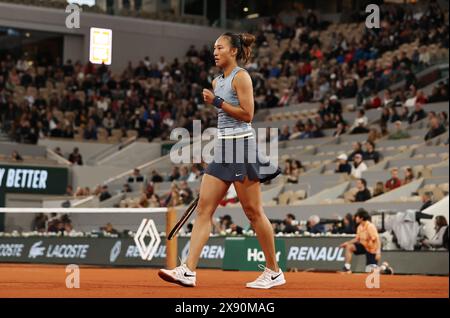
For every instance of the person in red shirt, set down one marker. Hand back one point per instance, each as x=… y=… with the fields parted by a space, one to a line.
x=394 y=182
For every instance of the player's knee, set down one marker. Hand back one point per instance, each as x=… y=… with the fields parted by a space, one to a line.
x=350 y=248
x=253 y=212
x=204 y=209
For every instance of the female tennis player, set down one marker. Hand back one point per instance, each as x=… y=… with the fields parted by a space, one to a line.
x=236 y=160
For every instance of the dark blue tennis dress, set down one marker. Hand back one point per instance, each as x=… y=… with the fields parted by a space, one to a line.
x=236 y=153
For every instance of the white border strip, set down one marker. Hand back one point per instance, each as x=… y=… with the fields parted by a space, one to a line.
x=83 y=210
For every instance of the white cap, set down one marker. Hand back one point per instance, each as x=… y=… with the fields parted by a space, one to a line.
x=342 y=156
x=333 y=97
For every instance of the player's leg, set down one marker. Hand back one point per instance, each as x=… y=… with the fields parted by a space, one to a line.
x=249 y=194
x=212 y=190
x=349 y=250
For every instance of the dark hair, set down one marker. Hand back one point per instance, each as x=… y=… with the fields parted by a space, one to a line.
x=363 y=181
x=243 y=42
x=291 y=216
x=371 y=143
x=363 y=214
x=440 y=222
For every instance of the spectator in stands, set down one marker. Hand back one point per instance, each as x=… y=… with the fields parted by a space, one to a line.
x=314 y=226
x=417 y=114
x=290 y=225
x=109 y=123
x=184 y=173
x=15 y=156
x=40 y=223
x=363 y=193
x=136 y=176
x=409 y=176
x=374 y=135
x=360 y=128
x=399 y=132
x=104 y=194
x=358 y=166
x=443 y=118
x=342 y=165
x=441 y=227
x=108 y=228
x=294 y=171
x=427 y=201
x=367 y=241
x=155 y=201
x=379 y=189
x=156 y=177
x=175 y=174
x=196 y=172
x=75 y=157
x=58 y=152
x=347 y=226
x=143 y=201
x=334 y=106
x=173 y=198
x=126 y=188
x=90 y=132
x=387 y=101
x=284 y=134
x=357 y=149
x=69 y=190
x=340 y=129
x=371 y=153
x=186 y=193
x=436 y=129
x=394 y=182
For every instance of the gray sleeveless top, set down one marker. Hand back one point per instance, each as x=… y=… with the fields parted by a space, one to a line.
x=227 y=125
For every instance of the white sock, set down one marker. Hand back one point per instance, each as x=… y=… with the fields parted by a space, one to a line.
x=347 y=266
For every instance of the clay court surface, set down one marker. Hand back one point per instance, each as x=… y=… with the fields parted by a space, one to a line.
x=20 y=280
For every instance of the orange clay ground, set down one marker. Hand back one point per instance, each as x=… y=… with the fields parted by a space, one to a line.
x=19 y=280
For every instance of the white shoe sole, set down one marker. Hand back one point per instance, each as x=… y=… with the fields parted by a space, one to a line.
x=274 y=284
x=165 y=275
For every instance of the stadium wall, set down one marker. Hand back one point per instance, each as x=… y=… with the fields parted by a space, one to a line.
x=133 y=38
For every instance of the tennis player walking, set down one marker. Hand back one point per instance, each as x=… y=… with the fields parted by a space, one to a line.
x=236 y=160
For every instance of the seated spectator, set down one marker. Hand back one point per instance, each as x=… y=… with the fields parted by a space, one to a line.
x=69 y=190
x=90 y=132
x=143 y=201
x=290 y=224
x=294 y=171
x=358 y=166
x=156 y=177
x=184 y=174
x=404 y=114
x=58 y=152
x=108 y=228
x=371 y=153
x=174 y=174
x=75 y=157
x=15 y=156
x=363 y=193
x=334 y=106
x=136 y=176
x=357 y=149
x=284 y=134
x=441 y=227
x=436 y=129
x=155 y=201
x=409 y=176
x=104 y=194
x=313 y=225
x=360 y=121
x=39 y=223
x=427 y=201
x=195 y=174
x=379 y=189
x=387 y=100
x=399 y=132
x=394 y=182
x=186 y=193
x=360 y=128
x=347 y=226
x=340 y=129
x=373 y=135
x=126 y=188
x=417 y=114
x=342 y=164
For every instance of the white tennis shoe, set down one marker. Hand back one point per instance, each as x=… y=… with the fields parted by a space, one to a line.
x=181 y=275
x=267 y=279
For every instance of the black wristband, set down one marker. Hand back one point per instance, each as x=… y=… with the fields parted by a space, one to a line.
x=218 y=101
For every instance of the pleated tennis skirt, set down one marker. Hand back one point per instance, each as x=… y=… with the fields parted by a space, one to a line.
x=236 y=158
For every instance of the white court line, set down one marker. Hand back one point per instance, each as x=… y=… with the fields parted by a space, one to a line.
x=82 y=210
